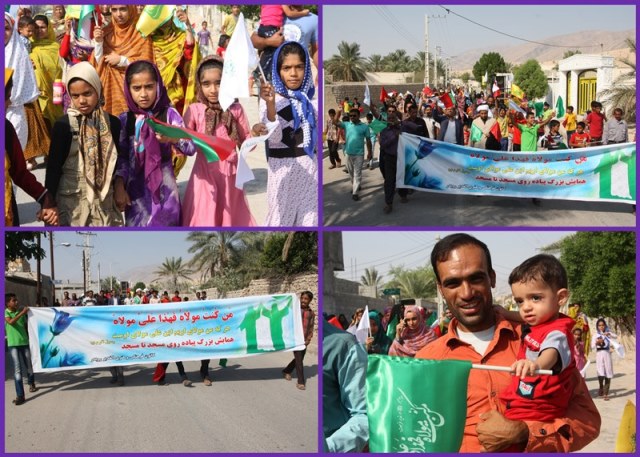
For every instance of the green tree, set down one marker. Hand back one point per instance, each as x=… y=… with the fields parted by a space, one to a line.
x=109 y=283
x=601 y=268
x=623 y=92
x=374 y=63
x=417 y=283
x=138 y=285
x=372 y=278
x=465 y=77
x=397 y=61
x=22 y=245
x=174 y=269
x=348 y=65
x=531 y=79
x=302 y=254
x=570 y=53
x=491 y=63
x=214 y=251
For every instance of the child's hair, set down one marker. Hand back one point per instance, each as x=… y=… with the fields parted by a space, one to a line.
x=546 y=104
x=569 y=108
x=140 y=66
x=223 y=39
x=345 y=118
x=204 y=23
x=554 y=123
x=354 y=111
x=581 y=124
x=531 y=113
x=332 y=112
x=291 y=48
x=209 y=64
x=577 y=329
x=370 y=116
x=25 y=21
x=8 y=297
x=542 y=267
x=308 y=294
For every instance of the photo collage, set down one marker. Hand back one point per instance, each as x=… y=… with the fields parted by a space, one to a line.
x=317 y=229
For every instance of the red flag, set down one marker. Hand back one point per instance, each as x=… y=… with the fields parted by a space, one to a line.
x=383 y=95
x=495 y=131
x=446 y=99
x=427 y=91
x=495 y=89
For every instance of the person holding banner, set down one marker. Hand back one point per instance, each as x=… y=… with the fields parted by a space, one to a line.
x=18 y=342
x=292 y=188
x=480 y=334
x=308 y=318
x=145 y=183
x=389 y=138
x=212 y=198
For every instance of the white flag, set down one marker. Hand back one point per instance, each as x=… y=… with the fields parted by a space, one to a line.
x=362 y=332
x=240 y=60
x=244 y=174
x=367 y=95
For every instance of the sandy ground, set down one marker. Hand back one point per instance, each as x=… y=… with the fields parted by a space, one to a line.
x=255 y=191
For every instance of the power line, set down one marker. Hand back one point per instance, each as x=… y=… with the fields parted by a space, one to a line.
x=392 y=21
x=512 y=36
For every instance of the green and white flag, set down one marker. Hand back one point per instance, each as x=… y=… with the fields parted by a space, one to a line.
x=416 y=405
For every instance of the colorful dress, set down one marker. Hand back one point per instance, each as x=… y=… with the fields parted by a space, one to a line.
x=292 y=188
x=148 y=173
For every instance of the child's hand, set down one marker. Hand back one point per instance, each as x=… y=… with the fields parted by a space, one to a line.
x=524 y=368
x=112 y=59
x=98 y=35
x=267 y=93
x=120 y=195
x=259 y=130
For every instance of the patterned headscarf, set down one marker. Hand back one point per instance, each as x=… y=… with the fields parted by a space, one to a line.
x=300 y=99
x=148 y=154
x=96 y=144
x=413 y=339
x=213 y=112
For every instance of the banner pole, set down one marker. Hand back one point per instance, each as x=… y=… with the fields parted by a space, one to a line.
x=507 y=369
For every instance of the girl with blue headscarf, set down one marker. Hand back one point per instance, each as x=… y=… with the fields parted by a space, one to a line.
x=292 y=189
x=378 y=342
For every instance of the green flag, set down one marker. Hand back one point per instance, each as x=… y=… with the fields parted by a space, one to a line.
x=391 y=327
x=411 y=408
x=377 y=126
x=559 y=108
x=476 y=134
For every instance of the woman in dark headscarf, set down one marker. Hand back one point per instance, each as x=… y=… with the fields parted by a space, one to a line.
x=412 y=334
x=378 y=342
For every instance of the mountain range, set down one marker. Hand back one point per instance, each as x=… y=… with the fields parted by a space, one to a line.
x=587 y=42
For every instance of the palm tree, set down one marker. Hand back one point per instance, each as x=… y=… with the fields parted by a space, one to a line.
x=397 y=61
x=623 y=93
x=372 y=278
x=416 y=283
x=214 y=251
x=348 y=65
x=374 y=63
x=174 y=269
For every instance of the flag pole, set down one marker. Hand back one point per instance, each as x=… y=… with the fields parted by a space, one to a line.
x=264 y=78
x=507 y=369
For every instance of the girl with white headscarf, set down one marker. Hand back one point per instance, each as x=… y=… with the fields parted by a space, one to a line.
x=83 y=155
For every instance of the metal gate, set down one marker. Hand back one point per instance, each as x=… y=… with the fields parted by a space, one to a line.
x=586 y=90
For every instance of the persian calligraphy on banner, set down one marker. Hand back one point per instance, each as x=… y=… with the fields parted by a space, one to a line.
x=602 y=173
x=70 y=338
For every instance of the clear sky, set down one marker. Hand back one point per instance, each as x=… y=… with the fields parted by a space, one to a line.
x=382 y=29
x=117 y=252
x=413 y=249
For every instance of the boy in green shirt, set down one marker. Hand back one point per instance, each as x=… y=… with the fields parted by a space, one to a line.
x=18 y=342
x=530 y=132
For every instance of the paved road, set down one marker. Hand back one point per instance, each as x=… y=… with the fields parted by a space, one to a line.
x=256 y=191
x=249 y=408
x=440 y=210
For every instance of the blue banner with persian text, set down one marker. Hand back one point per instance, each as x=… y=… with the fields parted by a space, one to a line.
x=602 y=173
x=70 y=338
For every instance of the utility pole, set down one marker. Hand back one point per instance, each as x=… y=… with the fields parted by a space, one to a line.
x=427 y=81
x=86 y=257
x=435 y=64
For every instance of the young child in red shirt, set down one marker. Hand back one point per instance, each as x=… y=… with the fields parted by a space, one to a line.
x=580 y=139
x=596 y=120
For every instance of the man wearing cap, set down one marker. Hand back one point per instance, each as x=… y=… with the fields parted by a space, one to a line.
x=137 y=300
x=484 y=123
